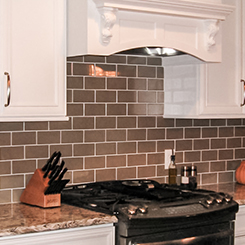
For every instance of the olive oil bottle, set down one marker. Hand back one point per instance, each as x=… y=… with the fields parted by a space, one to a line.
x=172 y=171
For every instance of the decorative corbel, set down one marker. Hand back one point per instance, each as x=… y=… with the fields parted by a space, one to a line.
x=212 y=28
x=107 y=21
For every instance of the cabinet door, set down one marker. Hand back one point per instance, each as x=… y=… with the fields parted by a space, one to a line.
x=222 y=90
x=33 y=48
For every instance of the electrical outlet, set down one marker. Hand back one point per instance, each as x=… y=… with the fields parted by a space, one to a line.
x=167 y=158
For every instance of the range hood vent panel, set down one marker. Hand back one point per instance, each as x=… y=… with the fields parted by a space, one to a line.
x=105 y=27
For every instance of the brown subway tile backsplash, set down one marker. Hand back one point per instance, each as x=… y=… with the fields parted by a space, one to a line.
x=116 y=130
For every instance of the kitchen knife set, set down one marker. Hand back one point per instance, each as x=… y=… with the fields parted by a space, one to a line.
x=46 y=184
x=55 y=173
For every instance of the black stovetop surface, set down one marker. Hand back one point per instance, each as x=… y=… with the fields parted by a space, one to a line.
x=120 y=197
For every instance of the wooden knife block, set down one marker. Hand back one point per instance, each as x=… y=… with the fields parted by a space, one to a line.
x=34 y=192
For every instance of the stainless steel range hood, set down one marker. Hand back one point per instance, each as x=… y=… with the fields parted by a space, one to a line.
x=104 y=27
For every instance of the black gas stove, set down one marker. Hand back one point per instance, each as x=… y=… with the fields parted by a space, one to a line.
x=152 y=213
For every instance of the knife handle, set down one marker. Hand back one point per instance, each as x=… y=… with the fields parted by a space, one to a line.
x=56 y=160
x=62 y=174
x=50 y=160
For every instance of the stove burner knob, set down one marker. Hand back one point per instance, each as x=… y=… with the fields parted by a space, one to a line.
x=210 y=200
x=218 y=198
x=228 y=198
x=143 y=209
x=132 y=209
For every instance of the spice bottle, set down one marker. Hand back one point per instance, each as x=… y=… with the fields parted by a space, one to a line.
x=185 y=175
x=172 y=171
x=193 y=177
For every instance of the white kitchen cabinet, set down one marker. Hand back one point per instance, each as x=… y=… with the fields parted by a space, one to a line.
x=90 y=235
x=195 y=89
x=33 y=53
x=240 y=226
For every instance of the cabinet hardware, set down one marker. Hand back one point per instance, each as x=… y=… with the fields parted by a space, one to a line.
x=243 y=81
x=8 y=89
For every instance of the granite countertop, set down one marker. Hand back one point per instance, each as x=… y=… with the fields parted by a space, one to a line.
x=21 y=218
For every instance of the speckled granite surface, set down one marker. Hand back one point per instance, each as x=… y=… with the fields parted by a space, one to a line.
x=234 y=189
x=21 y=218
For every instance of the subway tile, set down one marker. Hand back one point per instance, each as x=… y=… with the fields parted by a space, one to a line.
x=95 y=136
x=68 y=69
x=105 y=122
x=165 y=145
x=75 y=82
x=240 y=131
x=155 y=134
x=155 y=158
x=49 y=137
x=5 y=196
x=175 y=133
x=116 y=135
x=155 y=84
x=5 y=167
x=211 y=178
x=116 y=83
x=126 y=147
x=73 y=163
x=183 y=145
x=126 y=71
x=5 y=139
x=183 y=122
x=11 y=126
x=83 y=149
x=116 y=59
x=11 y=181
x=105 y=148
x=72 y=136
x=116 y=161
x=156 y=109
x=225 y=154
x=74 y=110
x=192 y=133
x=226 y=131
x=94 y=58
x=201 y=122
x=60 y=125
x=83 y=96
x=38 y=151
x=226 y=177
x=165 y=122
x=83 y=123
x=217 y=166
x=94 y=109
x=116 y=109
x=82 y=69
x=202 y=167
x=192 y=156
x=218 y=122
x=234 y=143
x=139 y=159
x=239 y=154
x=148 y=146
x=14 y=152
x=201 y=144
x=209 y=155
x=137 y=109
x=16 y=195
x=126 y=173
x=137 y=134
x=147 y=71
x=69 y=96
x=105 y=174
x=94 y=162
x=105 y=96
x=94 y=83
x=234 y=122
x=154 y=61
x=126 y=122
x=79 y=58
x=65 y=149
x=126 y=96
x=137 y=83
x=160 y=72
x=36 y=125
x=136 y=60
x=83 y=176
x=146 y=96
x=218 y=143
x=209 y=132
x=233 y=164
x=24 y=166
x=147 y=171
x=145 y=122
x=160 y=97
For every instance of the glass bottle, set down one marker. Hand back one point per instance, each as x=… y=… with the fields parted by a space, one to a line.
x=172 y=171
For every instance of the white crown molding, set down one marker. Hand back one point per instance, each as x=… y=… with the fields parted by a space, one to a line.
x=187 y=8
